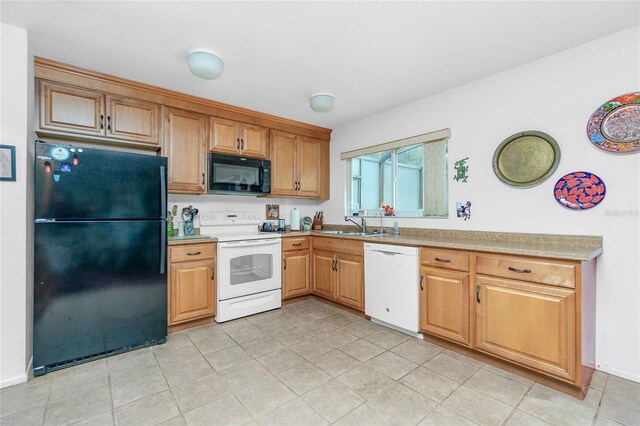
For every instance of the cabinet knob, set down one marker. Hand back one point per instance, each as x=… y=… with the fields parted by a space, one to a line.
x=421 y=280
x=101 y=121
x=109 y=123
x=285 y=263
x=194 y=253
x=442 y=260
x=477 y=294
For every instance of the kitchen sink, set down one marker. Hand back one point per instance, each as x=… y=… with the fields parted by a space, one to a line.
x=353 y=233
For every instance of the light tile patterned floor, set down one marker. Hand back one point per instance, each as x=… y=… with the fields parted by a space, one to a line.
x=305 y=364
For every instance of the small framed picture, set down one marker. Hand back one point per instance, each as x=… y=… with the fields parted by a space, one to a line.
x=7 y=162
x=272 y=212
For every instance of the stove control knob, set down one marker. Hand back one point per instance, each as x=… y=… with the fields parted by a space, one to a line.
x=244 y=216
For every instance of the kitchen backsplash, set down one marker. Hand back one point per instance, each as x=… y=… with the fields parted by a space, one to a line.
x=214 y=203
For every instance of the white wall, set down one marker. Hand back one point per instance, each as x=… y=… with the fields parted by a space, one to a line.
x=555 y=95
x=16 y=243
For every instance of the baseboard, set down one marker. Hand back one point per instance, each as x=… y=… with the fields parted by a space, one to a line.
x=22 y=378
x=619 y=373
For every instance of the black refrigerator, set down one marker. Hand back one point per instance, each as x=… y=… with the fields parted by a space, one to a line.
x=100 y=284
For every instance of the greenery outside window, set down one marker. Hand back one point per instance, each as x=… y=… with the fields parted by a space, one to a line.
x=409 y=174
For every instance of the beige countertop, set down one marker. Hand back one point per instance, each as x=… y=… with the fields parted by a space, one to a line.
x=571 y=247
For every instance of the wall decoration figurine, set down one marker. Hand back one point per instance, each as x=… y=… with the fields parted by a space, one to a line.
x=272 y=211
x=615 y=125
x=579 y=190
x=526 y=159
x=463 y=210
x=461 y=170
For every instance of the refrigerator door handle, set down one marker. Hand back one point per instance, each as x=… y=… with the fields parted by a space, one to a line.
x=163 y=208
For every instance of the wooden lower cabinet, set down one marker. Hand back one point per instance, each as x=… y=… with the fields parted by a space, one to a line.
x=295 y=273
x=531 y=324
x=338 y=271
x=444 y=304
x=192 y=284
x=349 y=275
x=323 y=274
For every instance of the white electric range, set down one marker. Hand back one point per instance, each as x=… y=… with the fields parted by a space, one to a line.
x=248 y=264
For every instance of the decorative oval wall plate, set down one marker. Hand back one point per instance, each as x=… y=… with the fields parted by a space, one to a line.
x=526 y=159
x=579 y=190
x=615 y=126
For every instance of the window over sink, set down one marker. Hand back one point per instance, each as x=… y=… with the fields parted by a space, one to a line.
x=408 y=174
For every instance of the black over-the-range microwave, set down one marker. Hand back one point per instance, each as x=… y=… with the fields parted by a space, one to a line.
x=229 y=174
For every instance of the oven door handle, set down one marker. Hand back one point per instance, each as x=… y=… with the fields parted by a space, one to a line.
x=249 y=243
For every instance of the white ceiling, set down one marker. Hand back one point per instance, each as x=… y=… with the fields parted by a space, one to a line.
x=372 y=56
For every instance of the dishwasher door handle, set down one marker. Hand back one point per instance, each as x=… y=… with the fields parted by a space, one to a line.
x=388 y=253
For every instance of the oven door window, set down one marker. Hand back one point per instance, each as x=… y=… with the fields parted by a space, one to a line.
x=250 y=268
x=235 y=177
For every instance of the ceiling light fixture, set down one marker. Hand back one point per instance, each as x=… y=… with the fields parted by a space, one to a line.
x=205 y=64
x=322 y=102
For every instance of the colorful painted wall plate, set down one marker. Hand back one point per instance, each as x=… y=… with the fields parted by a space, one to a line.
x=615 y=126
x=579 y=190
x=526 y=159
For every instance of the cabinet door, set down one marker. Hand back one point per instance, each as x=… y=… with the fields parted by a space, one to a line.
x=283 y=170
x=185 y=138
x=324 y=273
x=191 y=291
x=71 y=110
x=350 y=280
x=255 y=141
x=531 y=324
x=224 y=136
x=309 y=166
x=444 y=304
x=133 y=120
x=295 y=273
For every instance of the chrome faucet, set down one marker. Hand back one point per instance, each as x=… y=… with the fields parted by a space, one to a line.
x=363 y=226
x=381 y=231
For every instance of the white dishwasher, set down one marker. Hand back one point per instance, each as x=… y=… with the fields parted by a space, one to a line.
x=391 y=275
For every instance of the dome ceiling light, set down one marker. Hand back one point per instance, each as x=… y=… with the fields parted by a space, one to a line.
x=205 y=64
x=322 y=102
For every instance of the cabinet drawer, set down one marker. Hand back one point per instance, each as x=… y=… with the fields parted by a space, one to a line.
x=339 y=245
x=295 y=244
x=192 y=252
x=526 y=269
x=445 y=259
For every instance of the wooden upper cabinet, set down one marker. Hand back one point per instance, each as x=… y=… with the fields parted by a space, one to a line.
x=299 y=166
x=133 y=120
x=71 y=109
x=254 y=141
x=283 y=167
x=74 y=110
x=531 y=324
x=185 y=147
x=234 y=138
x=223 y=136
x=309 y=164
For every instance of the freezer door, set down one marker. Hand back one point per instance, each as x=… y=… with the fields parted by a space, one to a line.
x=89 y=183
x=99 y=286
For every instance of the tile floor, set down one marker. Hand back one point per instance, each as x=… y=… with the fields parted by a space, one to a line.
x=305 y=364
